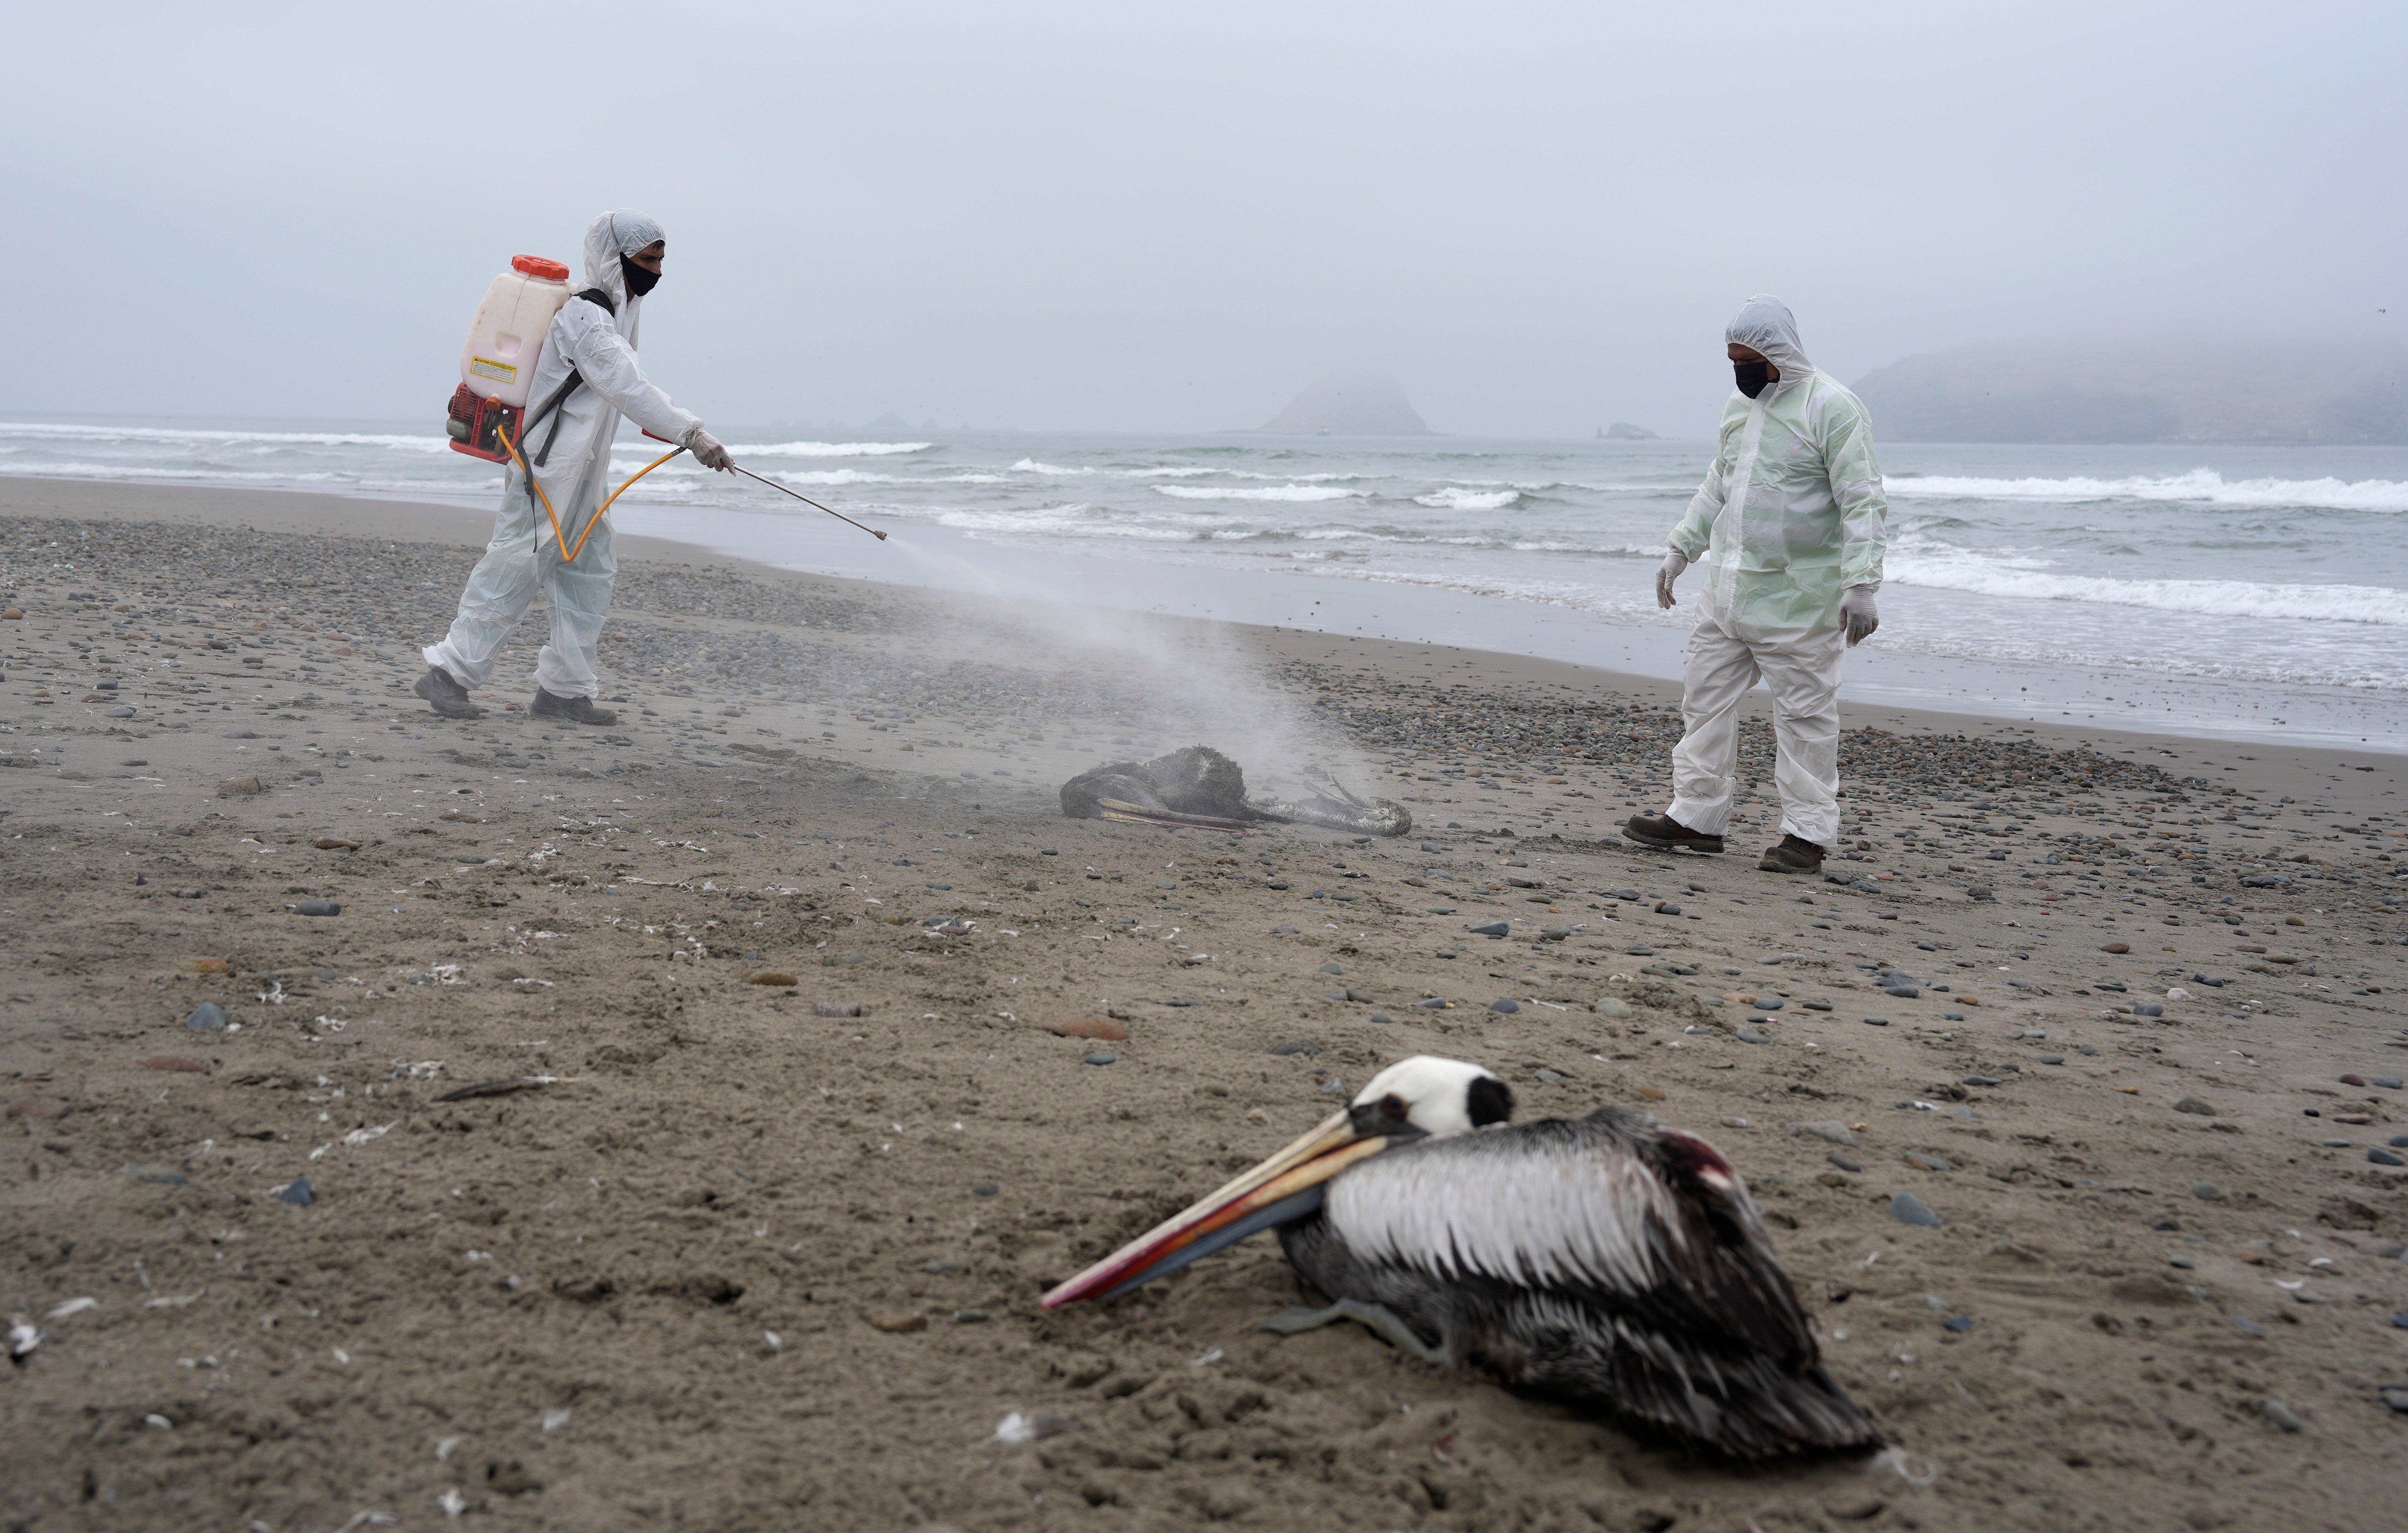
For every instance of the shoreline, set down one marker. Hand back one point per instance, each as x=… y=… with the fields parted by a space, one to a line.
x=2279 y=768
x=2121 y=701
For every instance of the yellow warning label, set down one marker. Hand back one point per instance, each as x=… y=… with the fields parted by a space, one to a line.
x=501 y=372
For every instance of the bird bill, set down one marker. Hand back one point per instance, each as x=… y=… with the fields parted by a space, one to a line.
x=1250 y=1203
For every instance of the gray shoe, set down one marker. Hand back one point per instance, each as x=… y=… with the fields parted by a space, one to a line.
x=575 y=709
x=447 y=696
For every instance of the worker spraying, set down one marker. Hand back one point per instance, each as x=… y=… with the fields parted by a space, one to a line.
x=1791 y=523
x=557 y=446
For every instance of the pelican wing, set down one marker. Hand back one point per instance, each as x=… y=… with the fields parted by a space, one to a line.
x=1610 y=1211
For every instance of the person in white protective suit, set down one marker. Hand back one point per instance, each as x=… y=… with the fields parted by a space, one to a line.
x=585 y=379
x=1791 y=523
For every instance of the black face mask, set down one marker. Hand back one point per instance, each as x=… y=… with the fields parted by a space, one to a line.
x=640 y=281
x=1753 y=377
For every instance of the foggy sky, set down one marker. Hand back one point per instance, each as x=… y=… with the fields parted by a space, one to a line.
x=1170 y=218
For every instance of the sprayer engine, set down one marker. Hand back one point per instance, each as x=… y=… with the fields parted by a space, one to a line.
x=476 y=423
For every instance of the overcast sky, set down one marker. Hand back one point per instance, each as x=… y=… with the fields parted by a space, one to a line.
x=1169 y=217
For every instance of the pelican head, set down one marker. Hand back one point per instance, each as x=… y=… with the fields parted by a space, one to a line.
x=1421 y=1097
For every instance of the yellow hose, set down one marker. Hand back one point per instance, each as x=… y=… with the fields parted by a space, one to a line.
x=559 y=539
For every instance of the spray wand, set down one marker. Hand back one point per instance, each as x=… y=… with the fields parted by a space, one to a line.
x=808 y=501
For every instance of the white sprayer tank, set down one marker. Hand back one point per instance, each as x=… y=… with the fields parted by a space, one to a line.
x=499 y=360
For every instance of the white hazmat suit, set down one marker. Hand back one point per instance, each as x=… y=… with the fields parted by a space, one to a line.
x=524 y=557
x=1789 y=523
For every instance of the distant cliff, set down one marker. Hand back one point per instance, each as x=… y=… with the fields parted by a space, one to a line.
x=1350 y=407
x=2187 y=389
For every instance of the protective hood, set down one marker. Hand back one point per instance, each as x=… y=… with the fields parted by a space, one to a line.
x=1766 y=324
x=614 y=235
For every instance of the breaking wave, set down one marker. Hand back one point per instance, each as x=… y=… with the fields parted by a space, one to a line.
x=2201 y=486
x=1268 y=492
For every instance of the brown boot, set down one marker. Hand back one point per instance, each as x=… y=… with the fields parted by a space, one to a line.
x=1795 y=855
x=1666 y=834
x=575 y=709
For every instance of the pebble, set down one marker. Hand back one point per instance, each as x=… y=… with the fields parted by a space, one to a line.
x=1877 y=1021
x=1100 y=1057
x=899 y=1321
x=299 y=1192
x=1842 y=1162
x=2052 y=1059
x=1959 y=1324
x=1554 y=1077
x=1493 y=929
x=1100 y=1029
x=1907 y=1209
x=2353 y=1080
x=1668 y=908
x=1767 y=1003
x=238 y=787
x=1749 y=1034
x=1978 y=1081
x=969 y=1317
x=2388 y=1083
x=2283 y=1415
x=1903 y=992
x=1505 y=1005
x=2207 y=1191
x=36 y=1107
x=208 y=1017
x=1831 y=1131
x=1640 y=953
x=173 y=1062
x=2242 y=1323
x=2193 y=1105
x=984 y=1189
x=774 y=976
x=836 y=1008
x=1927 y=1162
x=2184 y=1261
x=1609 y=1006
x=163 y=1176
x=2384 y=1157
x=1295 y=1046
x=1329 y=968
x=1382 y=1016
x=2117 y=947
x=1651 y=1093
x=2090 y=1049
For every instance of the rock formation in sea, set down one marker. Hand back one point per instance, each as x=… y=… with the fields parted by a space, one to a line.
x=1362 y=405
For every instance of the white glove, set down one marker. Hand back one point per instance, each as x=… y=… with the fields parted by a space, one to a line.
x=1666 y=573
x=1858 y=614
x=706 y=449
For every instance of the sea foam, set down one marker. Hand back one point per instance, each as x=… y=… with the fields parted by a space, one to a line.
x=2202 y=486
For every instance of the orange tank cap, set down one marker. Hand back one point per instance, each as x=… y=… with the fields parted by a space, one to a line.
x=536 y=265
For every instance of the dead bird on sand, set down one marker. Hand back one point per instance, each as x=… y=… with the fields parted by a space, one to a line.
x=1199 y=786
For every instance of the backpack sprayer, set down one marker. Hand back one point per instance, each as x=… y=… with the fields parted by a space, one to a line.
x=497 y=365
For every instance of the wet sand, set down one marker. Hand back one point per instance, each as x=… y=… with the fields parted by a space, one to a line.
x=741 y=1264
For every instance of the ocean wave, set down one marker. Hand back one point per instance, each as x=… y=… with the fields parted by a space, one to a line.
x=60 y=431
x=2201 y=486
x=1031 y=465
x=1454 y=497
x=1268 y=492
x=2018 y=577
x=832 y=449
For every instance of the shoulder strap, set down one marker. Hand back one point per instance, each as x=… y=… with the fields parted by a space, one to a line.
x=567 y=386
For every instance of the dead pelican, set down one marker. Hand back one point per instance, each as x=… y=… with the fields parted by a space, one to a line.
x=1199 y=786
x=1607 y=1260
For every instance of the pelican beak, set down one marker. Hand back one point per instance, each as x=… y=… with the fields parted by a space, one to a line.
x=1287 y=1186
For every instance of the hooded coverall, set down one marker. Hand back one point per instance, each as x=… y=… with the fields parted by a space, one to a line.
x=524 y=557
x=1790 y=516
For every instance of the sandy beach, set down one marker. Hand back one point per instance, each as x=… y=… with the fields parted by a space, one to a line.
x=787 y=947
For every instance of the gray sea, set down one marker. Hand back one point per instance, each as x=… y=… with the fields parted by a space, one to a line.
x=2259 y=593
